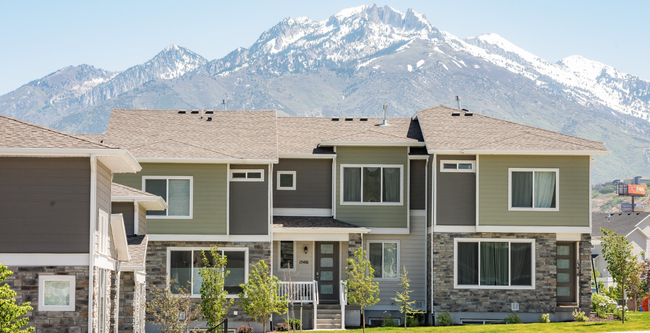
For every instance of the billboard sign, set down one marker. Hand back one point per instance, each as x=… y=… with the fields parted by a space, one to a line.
x=627 y=207
x=636 y=189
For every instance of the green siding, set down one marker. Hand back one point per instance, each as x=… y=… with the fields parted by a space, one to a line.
x=372 y=216
x=210 y=187
x=573 y=185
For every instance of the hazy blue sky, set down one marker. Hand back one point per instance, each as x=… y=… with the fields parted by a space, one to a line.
x=40 y=37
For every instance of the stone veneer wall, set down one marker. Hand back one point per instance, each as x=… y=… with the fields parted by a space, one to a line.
x=129 y=303
x=111 y=300
x=540 y=300
x=354 y=243
x=157 y=265
x=24 y=282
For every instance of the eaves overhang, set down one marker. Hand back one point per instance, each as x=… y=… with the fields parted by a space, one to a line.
x=206 y=160
x=371 y=144
x=520 y=152
x=117 y=160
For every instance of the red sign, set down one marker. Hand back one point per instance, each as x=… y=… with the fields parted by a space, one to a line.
x=636 y=189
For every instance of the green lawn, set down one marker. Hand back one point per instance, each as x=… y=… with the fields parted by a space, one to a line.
x=638 y=322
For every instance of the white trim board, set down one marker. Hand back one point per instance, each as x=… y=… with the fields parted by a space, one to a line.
x=330 y=237
x=44 y=259
x=520 y=152
x=510 y=229
x=389 y=231
x=208 y=238
x=293 y=181
x=117 y=160
x=323 y=212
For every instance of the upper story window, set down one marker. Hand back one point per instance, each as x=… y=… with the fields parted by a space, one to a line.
x=384 y=258
x=533 y=189
x=494 y=263
x=175 y=190
x=286 y=180
x=241 y=175
x=457 y=166
x=371 y=184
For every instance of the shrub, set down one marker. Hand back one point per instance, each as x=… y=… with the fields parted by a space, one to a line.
x=607 y=189
x=281 y=327
x=244 y=329
x=579 y=316
x=389 y=321
x=412 y=322
x=444 y=319
x=602 y=303
x=544 y=318
x=601 y=313
x=618 y=312
x=293 y=323
x=512 y=319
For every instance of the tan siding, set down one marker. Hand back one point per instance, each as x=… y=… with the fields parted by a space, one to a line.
x=209 y=210
x=142 y=221
x=573 y=185
x=303 y=272
x=373 y=216
x=104 y=177
x=411 y=252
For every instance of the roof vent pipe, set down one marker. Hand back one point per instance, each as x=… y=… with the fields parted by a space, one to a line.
x=225 y=101
x=458 y=100
x=384 y=123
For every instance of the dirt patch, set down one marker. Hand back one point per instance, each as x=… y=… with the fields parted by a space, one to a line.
x=594 y=317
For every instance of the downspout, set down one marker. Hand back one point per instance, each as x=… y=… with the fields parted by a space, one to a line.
x=93 y=226
x=426 y=235
x=117 y=296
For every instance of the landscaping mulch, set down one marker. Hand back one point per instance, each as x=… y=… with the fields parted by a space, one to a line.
x=593 y=317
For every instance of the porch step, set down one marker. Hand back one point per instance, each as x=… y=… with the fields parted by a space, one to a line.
x=328 y=317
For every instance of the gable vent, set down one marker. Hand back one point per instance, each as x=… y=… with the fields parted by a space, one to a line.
x=195 y=111
x=363 y=119
x=348 y=119
x=182 y=112
x=209 y=112
x=455 y=114
x=335 y=119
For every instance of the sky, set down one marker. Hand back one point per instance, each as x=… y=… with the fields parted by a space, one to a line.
x=40 y=37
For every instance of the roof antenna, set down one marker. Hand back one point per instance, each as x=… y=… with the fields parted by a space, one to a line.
x=458 y=100
x=384 y=123
x=225 y=101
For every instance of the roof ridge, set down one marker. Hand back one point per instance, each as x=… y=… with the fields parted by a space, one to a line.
x=56 y=131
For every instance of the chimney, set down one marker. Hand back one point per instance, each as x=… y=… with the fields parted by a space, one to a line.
x=384 y=123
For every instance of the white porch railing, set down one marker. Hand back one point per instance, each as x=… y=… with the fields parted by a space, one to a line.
x=307 y=292
x=344 y=302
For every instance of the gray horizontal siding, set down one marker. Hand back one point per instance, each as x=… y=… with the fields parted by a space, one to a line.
x=126 y=209
x=417 y=185
x=249 y=204
x=313 y=184
x=456 y=194
x=44 y=205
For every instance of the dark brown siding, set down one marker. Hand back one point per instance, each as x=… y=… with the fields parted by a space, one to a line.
x=44 y=205
x=430 y=196
x=313 y=184
x=249 y=202
x=417 y=186
x=126 y=209
x=456 y=193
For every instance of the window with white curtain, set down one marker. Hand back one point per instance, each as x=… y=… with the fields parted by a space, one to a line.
x=184 y=265
x=494 y=263
x=384 y=258
x=371 y=184
x=533 y=189
x=175 y=190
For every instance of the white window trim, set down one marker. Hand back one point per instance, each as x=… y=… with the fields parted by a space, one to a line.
x=500 y=240
x=533 y=170
x=472 y=162
x=381 y=189
x=175 y=217
x=102 y=237
x=293 y=269
x=207 y=249
x=286 y=188
x=382 y=242
x=261 y=179
x=41 y=292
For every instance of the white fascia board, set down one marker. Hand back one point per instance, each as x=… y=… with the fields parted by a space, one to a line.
x=370 y=144
x=44 y=259
x=419 y=157
x=340 y=237
x=521 y=152
x=206 y=160
x=207 y=238
x=121 y=160
x=322 y=212
x=150 y=203
x=389 y=231
x=321 y=231
x=639 y=230
x=309 y=156
x=119 y=237
x=535 y=230
x=645 y=218
x=453 y=228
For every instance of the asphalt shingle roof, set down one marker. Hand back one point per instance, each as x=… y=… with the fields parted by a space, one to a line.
x=442 y=131
x=620 y=223
x=137 y=249
x=119 y=190
x=309 y=222
x=16 y=133
x=169 y=134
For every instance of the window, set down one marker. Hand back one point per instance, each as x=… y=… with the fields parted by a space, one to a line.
x=237 y=175
x=494 y=263
x=102 y=229
x=102 y=308
x=457 y=166
x=175 y=190
x=384 y=258
x=533 y=189
x=56 y=292
x=184 y=264
x=371 y=184
x=287 y=255
x=286 y=180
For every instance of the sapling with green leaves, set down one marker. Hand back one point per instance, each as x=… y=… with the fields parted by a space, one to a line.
x=10 y=312
x=214 y=297
x=403 y=298
x=172 y=312
x=260 y=297
x=360 y=287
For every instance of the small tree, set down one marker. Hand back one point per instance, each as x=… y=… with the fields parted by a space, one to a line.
x=621 y=262
x=360 y=288
x=172 y=312
x=403 y=299
x=214 y=297
x=10 y=312
x=260 y=295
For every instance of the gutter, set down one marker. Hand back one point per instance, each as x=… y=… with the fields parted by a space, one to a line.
x=521 y=152
x=207 y=160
